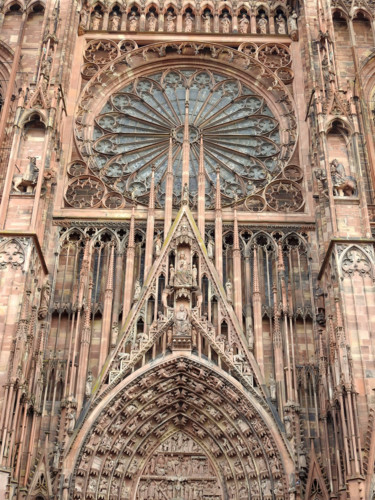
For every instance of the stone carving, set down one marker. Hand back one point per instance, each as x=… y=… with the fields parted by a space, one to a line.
x=183 y=272
x=11 y=255
x=152 y=22
x=133 y=22
x=272 y=384
x=262 y=24
x=96 y=21
x=281 y=25
x=284 y=196
x=115 y=22
x=225 y=23
x=85 y=191
x=28 y=180
x=210 y=248
x=188 y=22
x=101 y=51
x=274 y=55
x=170 y=21
x=206 y=17
x=182 y=321
x=343 y=185
x=292 y=25
x=172 y=274
x=157 y=245
x=244 y=24
x=355 y=261
x=84 y=16
x=71 y=420
x=45 y=297
x=88 y=386
x=229 y=291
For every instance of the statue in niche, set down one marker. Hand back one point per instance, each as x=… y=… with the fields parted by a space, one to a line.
x=185 y=194
x=225 y=23
x=272 y=388
x=182 y=321
x=133 y=22
x=71 y=418
x=244 y=24
x=281 y=25
x=172 y=274
x=292 y=22
x=188 y=23
x=44 y=300
x=84 y=15
x=250 y=337
x=183 y=272
x=210 y=248
x=228 y=289
x=137 y=290
x=56 y=456
x=170 y=21
x=152 y=22
x=262 y=24
x=28 y=180
x=157 y=245
x=343 y=185
x=206 y=22
x=194 y=274
x=96 y=20
x=115 y=22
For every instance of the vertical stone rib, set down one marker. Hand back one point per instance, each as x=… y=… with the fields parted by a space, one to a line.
x=201 y=190
x=169 y=190
x=257 y=308
x=237 y=271
x=129 y=273
x=107 y=311
x=218 y=229
x=150 y=226
x=186 y=145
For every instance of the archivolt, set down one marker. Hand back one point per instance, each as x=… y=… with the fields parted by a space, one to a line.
x=236 y=432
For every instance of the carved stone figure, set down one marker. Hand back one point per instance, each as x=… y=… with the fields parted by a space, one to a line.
x=206 y=22
x=183 y=272
x=250 y=337
x=182 y=321
x=28 y=179
x=44 y=300
x=228 y=289
x=115 y=22
x=343 y=185
x=188 y=22
x=152 y=22
x=172 y=274
x=225 y=23
x=262 y=24
x=272 y=388
x=56 y=456
x=96 y=20
x=133 y=22
x=84 y=15
x=244 y=24
x=281 y=25
x=71 y=420
x=137 y=290
x=210 y=248
x=292 y=22
x=157 y=245
x=88 y=387
x=170 y=21
x=194 y=274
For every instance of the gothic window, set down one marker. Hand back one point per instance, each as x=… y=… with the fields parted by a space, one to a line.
x=239 y=132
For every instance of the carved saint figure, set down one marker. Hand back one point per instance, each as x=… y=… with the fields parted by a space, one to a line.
x=170 y=21
x=157 y=245
x=228 y=289
x=194 y=274
x=292 y=22
x=343 y=185
x=84 y=15
x=183 y=272
x=133 y=22
x=244 y=24
x=137 y=290
x=281 y=26
x=206 y=22
x=115 y=22
x=56 y=456
x=188 y=23
x=272 y=388
x=262 y=24
x=152 y=22
x=172 y=274
x=88 y=386
x=71 y=418
x=225 y=23
x=210 y=248
x=182 y=321
x=96 y=19
x=44 y=300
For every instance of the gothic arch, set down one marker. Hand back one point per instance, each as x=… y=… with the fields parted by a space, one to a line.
x=354 y=260
x=123 y=429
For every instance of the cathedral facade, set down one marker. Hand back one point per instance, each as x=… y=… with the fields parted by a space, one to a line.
x=187 y=261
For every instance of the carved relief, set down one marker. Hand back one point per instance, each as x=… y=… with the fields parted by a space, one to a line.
x=11 y=255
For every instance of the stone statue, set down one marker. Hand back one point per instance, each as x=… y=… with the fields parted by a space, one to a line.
x=244 y=24
x=183 y=272
x=170 y=21
x=210 y=248
x=188 y=23
x=133 y=22
x=250 y=337
x=292 y=22
x=71 y=418
x=56 y=456
x=157 y=245
x=151 y=22
x=281 y=25
x=88 y=386
x=262 y=24
x=137 y=290
x=44 y=300
x=96 y=19
x=194 y=274
x=228 y=289
x=28 y=179
x=206 y=22
x=185 y=194
x=172 y=274
x=225 y=23
x=343 y=185
x=84 y=15
x=115 y=22
x=272 y=388
x=182 y=321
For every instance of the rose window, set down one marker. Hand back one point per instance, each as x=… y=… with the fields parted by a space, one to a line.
x=153 y=118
